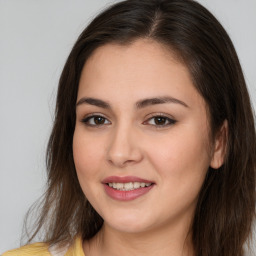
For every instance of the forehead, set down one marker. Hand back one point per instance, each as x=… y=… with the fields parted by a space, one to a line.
x=143 y=54
x=141 y=69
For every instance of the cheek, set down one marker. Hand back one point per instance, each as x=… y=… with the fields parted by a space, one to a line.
x=182 y=165
x=182 y=158
x=88 y=155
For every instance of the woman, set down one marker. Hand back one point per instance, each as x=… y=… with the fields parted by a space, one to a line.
x=153 y=145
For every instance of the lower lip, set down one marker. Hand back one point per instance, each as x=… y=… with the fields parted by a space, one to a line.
x=126 y=195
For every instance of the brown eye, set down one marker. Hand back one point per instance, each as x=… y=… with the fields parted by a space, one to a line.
x=95 y=120
x=160 y=121
x=99 y=120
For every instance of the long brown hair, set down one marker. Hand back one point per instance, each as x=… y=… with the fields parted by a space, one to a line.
x=226 y=203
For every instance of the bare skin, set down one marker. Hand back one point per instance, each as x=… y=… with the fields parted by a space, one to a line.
x=164 y=141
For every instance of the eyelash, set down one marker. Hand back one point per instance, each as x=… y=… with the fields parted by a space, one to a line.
x=170 y=121
x=88 y=118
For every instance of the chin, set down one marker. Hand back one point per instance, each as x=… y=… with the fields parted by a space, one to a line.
x=128 y=228
x=128 y=223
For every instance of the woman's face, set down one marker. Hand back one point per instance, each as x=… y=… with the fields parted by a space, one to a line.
x=141 y=142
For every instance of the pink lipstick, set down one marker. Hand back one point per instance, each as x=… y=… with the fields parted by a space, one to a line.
x=126 y=188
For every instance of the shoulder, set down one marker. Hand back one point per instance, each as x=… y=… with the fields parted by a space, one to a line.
x=36 y=249
x=43 y=249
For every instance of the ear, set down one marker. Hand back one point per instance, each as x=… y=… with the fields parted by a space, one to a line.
x=220 y=146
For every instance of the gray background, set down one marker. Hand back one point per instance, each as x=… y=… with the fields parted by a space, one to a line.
x=35 y=39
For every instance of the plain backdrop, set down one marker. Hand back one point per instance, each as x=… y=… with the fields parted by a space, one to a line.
x=36 y=37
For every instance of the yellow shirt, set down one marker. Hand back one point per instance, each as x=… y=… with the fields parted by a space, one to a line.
x=40 y=249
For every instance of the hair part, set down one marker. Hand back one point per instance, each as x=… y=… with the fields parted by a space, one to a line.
x=226 y=203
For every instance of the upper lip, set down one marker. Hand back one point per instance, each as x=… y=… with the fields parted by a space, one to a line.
x=125 y=179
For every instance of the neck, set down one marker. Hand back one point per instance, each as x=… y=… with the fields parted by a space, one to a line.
x=175 y=241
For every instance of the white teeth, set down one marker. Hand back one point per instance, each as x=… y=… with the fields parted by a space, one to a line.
x=136 y=185
x=119 y=186
x=143 y=184
x=129 y=185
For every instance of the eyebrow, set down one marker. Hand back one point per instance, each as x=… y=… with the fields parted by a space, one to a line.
x=139 y=104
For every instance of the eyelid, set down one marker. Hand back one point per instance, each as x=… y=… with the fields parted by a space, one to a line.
x=171 y=120
x=86 y=118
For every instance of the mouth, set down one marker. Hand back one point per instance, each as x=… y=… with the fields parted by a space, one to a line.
x=126 y=188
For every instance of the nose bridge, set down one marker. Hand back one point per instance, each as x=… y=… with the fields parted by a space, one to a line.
x=123 y=146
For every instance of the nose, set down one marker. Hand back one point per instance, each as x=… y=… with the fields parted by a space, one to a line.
x=124 y=148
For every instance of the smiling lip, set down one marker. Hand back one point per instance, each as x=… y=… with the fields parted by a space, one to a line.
x=123 y=195
x=125 y=179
